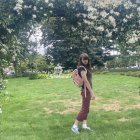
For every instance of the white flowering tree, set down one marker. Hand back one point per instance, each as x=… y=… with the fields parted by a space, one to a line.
x=16 y=19
x=71 y=27
x=90 y=26
x=17 y=26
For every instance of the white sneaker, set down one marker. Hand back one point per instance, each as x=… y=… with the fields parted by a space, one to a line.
x=75 y=130
x=86 y=127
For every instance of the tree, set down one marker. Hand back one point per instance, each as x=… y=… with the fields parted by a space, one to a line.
x=85 y=26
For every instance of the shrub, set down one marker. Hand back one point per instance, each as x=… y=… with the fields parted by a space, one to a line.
x=42 y=76
x=25 y=74
x=36 y=75
x=122 y=73
x=104 y=72
x=123 y=70
x=33 y=76
x=131 y=73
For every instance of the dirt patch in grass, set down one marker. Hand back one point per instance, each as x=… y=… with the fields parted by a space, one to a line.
x=116 y=107
x=70 y=106
x=74 y=105
x=48 y=110
x=39 y=102
x=68 y=110
x=114 y=101
x=123 y=120
x=112 y=107
x=137 y=106
x=67 y=103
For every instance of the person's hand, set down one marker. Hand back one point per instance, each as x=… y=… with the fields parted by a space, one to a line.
x=92 y=96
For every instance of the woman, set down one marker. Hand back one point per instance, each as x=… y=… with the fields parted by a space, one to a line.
x=87 y=78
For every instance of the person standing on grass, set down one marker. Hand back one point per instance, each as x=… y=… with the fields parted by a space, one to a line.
x=84 y=62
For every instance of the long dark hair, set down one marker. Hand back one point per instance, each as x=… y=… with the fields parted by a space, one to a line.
x=88 y=66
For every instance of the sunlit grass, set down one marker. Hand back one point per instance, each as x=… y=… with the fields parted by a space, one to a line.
x=45 y=109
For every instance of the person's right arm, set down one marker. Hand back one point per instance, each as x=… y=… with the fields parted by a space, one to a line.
x=84 y=77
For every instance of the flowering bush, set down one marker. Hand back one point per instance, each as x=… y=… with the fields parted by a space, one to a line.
x=3 y=94
x=34 y=75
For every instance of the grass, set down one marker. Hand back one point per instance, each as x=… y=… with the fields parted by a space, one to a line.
x=45 y=109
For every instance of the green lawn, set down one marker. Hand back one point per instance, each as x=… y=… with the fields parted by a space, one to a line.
x=45 y=109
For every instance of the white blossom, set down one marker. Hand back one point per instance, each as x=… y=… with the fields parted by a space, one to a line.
x=89 y=16
x=138 y=9
x=41 y=8
x=112 y=11
x=18 y=6
x=116 y=29
x=25 y=6
x=78 y=15
x=50 y=5
x=133 y=40
x=134 y=37
x=87 y=22
x=79 y=24
x=112 y=20
x=91 y=9
x=103 y=14
x=34 y=16
x=86 y=37
x=35 y=8
x=109 y=34
x=117 y=13
x=84 y=15
x=124 y=20
x=106 y=3
x=73 y=29
x=129 y=16
x=128 y=5
x=30 y=6
x=3 y=51
x=45 y=15
x=94 y=38
x=100 y=28
x=9 y=30
x=62 y=18
x=68 y=4
x=46 y=1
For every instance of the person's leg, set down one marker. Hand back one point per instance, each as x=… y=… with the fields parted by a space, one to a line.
x=86 y=111
x=75 y=127
x=76 y=122
x=82 y=115
x=78 y=119
x=84 y=121
x=84 y=125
